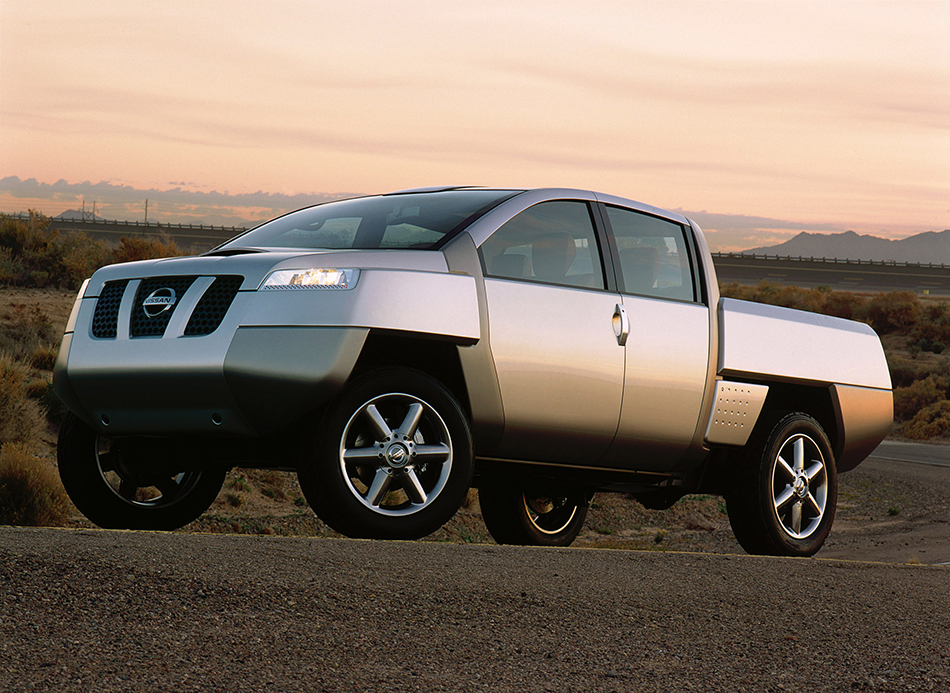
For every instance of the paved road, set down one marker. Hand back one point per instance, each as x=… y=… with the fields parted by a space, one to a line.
x=84 y=610
x=918 y=453
x=841 y=276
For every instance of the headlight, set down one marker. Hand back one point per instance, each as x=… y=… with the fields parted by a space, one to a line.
x=316 y=278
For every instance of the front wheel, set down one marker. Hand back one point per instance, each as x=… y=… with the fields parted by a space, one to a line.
x=116 y=489
x=524 y=517
x=783 y=495
x=392 y=458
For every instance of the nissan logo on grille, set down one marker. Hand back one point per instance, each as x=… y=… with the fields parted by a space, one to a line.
x=158 y=302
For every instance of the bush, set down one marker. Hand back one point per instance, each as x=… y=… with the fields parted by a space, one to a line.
x=135 y=248
x=908 y=401
x=30 y=492
x=32 y=254
x=842 y=304
x=894 y=311
x=931 y=422
x=21 y=418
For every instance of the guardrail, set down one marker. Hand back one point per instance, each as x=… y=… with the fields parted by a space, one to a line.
x=835 y=261
x=143 y=224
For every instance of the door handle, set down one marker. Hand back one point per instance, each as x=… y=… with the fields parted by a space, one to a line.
x=621 y=325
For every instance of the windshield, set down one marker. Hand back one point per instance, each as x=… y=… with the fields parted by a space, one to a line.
x=404 y=220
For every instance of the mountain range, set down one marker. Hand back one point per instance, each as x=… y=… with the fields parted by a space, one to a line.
x=930 y=247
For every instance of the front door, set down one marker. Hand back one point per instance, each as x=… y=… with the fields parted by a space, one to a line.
x=559 y=366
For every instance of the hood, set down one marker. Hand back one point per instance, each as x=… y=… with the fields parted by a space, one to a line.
x=255 y=264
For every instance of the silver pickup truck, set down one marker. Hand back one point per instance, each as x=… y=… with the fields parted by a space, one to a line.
x=395 y=350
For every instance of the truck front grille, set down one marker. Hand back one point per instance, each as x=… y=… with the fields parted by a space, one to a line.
x=214 y=305
x=157 y=299
x=105 y=320
x=144 y=325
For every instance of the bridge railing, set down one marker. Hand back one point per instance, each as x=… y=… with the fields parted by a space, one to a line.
x=158 y=225
x=829 y=260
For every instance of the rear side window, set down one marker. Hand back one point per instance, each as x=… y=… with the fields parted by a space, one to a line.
x=552 y=243
x=653 y=255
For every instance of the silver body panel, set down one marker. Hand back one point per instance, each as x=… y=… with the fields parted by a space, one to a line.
x=560 y=370
x=736 y=410
x=547 y=379
x=667 y=356
x=798 y=346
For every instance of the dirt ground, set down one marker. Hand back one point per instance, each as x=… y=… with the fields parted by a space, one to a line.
x=887 y=512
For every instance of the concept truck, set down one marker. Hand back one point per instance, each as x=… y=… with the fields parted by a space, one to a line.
x=395 y=350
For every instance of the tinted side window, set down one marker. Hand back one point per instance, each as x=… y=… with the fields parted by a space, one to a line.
x=552 y=242
x=653 y=256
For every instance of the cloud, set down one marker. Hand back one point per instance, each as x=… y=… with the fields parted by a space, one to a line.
x=177 y=204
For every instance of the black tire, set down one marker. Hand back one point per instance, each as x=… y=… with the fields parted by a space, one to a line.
x=526 y=518
x=115 y=492
x=392 y=458
x=782 y=497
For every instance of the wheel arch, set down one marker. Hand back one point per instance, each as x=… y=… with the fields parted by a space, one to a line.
x=814 y=400
x=433 y=355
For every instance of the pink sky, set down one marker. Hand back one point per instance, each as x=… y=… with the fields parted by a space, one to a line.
x=825 y=115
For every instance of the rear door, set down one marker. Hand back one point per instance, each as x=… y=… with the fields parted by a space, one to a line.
x=667 y=345
x=559 y=366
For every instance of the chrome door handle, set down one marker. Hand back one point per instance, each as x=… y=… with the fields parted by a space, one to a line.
x=621 y=325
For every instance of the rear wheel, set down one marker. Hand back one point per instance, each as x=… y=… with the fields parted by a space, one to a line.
x=516 y=516
x=392 y=458
x=783 y=496
x=116 y=489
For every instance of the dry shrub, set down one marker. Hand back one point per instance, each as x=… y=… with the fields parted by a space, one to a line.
x=934 y=327
x=896 y=311
x=135 y=248
x=842 y=304
x=25 y=330
x=33 y=254
x=905 y=371
x=78 y=256
x=930 y=422
x=10 y=269
x=44 y=358
x=908 y=401
x=21 y=418
x=30 y=492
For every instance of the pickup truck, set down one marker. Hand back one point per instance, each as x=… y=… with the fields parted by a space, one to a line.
x=395 y=350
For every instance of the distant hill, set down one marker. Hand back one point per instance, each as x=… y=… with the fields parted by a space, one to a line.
x=78 y=215
x=933 y=247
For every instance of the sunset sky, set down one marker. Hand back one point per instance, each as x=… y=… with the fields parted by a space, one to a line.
x=760 y=118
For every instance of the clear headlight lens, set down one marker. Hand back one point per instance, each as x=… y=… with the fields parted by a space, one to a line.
x=315 y=278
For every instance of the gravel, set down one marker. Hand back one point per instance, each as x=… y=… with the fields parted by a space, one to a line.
x=92 y=610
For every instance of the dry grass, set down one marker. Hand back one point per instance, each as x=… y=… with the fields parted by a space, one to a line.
x=22 y=419
x=30 y=492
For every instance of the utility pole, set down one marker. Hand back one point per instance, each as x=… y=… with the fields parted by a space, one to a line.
x=146 y=210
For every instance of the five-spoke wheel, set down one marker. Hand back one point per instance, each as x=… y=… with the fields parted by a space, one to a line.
x=392 y=459
x=782 y=497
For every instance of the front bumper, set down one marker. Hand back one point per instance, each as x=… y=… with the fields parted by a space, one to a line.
x=236 y=381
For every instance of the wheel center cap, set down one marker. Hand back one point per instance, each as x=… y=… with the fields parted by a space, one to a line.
x=397 y=456
x=800 y=486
